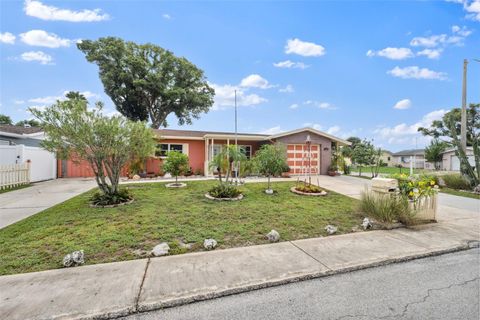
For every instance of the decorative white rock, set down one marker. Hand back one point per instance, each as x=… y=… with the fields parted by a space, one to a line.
x=75 y=258
x=269 y=191
x=209 y=244
x=136 y=177
x=273 y=236
x=331 y=229
x=367 y=224
x=160 y=249
x=477 y=189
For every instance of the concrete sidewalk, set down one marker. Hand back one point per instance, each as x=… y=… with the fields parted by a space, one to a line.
x=19 y=204
x=115 y=289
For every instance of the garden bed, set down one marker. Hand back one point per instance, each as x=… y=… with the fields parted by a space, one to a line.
x=160 y=214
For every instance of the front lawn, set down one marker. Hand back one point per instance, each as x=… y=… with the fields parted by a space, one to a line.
x=160 y=214
x=460 y=193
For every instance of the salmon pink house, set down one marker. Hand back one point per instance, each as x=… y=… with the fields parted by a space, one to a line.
x=202 y=146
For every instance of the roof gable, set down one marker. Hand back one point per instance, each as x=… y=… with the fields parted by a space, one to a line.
x=311 y=130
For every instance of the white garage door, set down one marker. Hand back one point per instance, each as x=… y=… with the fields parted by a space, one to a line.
x=455 y=162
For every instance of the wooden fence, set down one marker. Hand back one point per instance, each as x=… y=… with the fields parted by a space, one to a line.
x=13 y=175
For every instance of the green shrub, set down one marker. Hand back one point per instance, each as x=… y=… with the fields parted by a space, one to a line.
x=102 y=199
x=308 y=188
x=224 y=190
x=456 y=181
x=386 y=208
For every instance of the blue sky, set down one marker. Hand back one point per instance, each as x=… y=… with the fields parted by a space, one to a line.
x=372 y=69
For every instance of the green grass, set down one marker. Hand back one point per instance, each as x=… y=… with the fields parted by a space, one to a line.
x=387 y=170
x=460 y=193
x=160 y=214
x=23 y=186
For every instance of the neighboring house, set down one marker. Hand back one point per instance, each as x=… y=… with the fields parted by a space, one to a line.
x=450 y=161
x=20 y=144
x=404 y=158
x=202 y=146
x=387 y=157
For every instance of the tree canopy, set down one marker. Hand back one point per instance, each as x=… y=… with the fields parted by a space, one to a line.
x=176 y=163
x=271 y=160
x=147 y=82
x=106 y=143
x=4 y=119
x=448 y=129
x=434 y=152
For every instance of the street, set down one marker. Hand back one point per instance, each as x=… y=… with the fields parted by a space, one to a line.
x=441 y=287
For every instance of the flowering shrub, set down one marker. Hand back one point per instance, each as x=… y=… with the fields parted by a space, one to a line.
x=416 y=187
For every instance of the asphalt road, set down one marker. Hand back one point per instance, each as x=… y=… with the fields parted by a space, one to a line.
x=441 y=287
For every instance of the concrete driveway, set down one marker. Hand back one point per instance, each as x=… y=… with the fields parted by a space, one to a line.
x=19 y=204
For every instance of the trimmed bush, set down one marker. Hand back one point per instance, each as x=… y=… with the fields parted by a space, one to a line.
x=105 y=199
x=456 y=181
x=224 y=191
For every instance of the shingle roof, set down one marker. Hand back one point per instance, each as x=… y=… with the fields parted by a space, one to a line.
x=409 y=152
x=19 y=129
x=200 y=134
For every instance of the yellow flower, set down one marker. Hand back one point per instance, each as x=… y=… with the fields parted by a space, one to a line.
x=432 y=183
x=411 y=193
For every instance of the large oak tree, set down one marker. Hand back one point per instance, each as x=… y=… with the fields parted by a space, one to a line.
x=147 y=82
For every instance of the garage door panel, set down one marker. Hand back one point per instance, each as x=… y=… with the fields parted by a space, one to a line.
x=295 y=158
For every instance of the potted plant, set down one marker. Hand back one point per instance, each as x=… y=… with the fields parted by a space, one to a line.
x=332 y=170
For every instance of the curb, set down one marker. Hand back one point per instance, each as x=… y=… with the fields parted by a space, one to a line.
x=213 y=295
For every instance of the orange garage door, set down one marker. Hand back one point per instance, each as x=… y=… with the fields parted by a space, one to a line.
x=297 y=157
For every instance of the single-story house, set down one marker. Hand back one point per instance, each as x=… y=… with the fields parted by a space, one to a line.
x=387 y=158
x=450 y=161
x=202 y=146
x=21 y=144
x=404 y=158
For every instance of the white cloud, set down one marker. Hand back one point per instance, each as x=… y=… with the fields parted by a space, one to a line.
x=53 y=99
x=288 y=89
x=44 y=39
x=430 y=53
x=272 y=130
x=37 y=56
x=320 y=105
x=225 y=97
x=18 y=101
x=166 y=16
x=415 y=72
x=404 y=133
x=473 y=9
x=303 y=48
x=403 y=104
x=7 y=37
x=290 y=64
x=294 y=106
x=255 y=81
x=39 y=10
x=333 y=130
x=392 y=53
x=442 y=40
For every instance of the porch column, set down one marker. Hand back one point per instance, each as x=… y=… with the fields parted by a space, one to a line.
x=205 y=163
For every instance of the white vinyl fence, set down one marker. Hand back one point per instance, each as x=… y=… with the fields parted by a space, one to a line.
x=43 y=165
x=14 y=175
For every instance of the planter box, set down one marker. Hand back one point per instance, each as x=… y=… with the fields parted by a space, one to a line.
x=425 y=208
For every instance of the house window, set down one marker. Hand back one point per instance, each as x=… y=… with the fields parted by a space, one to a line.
x=246 y=150
x=388 y=158
x=164 y=148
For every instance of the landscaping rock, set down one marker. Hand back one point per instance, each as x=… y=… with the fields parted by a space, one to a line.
x=75 y=258
x=477 y=189
x=367 y=224
x=269 y=191
x=331 y=229
x=136 y=177
x=160 y=249
x=273 y=236
x=209 y=244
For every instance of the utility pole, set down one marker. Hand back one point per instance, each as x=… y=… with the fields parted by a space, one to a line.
x=237 y=165
x=463 y=124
